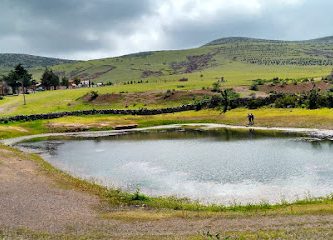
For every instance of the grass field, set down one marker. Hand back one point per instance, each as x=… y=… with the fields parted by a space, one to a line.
x=267 y=117
x=238 y=60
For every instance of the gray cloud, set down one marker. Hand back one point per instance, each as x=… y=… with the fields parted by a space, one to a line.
x=84 y=29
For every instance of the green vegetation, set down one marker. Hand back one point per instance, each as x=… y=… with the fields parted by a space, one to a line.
x=167 y=79
x=50 y=79
x=237 y=60
x=299 y=233
x=215 y=66
x=19 y=77
x=10 y=60
x=267 y=117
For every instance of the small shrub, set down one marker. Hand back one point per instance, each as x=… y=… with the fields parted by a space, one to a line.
x=93 y=95
x=215 y=101
x=254 y=87
x=259 y=82
x=137 y=196
x=109 y=83
x=287 y=101
x=168 y=94
x=313 y=99
x=216 y=87
x=183 y=80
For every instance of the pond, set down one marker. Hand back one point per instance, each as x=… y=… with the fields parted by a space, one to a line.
x=223 y=166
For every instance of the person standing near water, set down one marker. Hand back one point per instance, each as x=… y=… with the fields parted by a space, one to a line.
x=250 y=118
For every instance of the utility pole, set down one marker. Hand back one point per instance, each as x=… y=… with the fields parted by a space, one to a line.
x=22 y=83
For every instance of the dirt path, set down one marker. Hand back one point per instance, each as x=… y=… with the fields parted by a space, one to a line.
x=30 y=199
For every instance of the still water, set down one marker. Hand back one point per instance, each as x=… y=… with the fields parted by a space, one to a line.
x=210 y=166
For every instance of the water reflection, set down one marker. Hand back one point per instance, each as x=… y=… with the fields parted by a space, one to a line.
x=210 y=166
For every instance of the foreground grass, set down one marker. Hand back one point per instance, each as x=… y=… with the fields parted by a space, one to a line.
x=299 y=233
x=266 y=117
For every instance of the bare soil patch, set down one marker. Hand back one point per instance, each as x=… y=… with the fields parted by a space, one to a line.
x=149 y=98
x=32 y=200
x=305 y=87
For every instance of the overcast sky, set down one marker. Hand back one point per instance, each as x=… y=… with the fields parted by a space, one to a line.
x=88 y=29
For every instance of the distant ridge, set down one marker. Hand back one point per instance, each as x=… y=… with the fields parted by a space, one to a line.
x=11 y=59
x=227 y=40
x=210 y=61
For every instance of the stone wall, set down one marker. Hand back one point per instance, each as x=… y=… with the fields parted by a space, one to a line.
x=240 y=102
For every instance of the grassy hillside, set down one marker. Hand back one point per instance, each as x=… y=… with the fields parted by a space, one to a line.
x=35 y=63
x=238 y=60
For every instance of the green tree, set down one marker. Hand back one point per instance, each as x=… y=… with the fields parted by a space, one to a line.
x=50 y=79
x=225 y=100
x=65 y=82
x=313 y=99
x=228 y=95
x=77 y=80
x=18 y=77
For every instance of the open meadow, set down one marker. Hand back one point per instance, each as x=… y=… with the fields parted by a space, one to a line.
x=283 y=84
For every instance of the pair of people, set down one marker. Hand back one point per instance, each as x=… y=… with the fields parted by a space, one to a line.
x=251 y=118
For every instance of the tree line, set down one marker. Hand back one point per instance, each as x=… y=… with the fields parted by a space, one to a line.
x=20 y=77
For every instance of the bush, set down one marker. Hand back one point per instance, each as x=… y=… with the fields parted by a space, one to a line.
x=216 y=87
x=137 y=196
x=93 y=95
x=201 y=103
x=168 y=94
x=254 y=87
x=330 y=101
x=313 y=99
x=287 y=101
x=215 y=101
x=259 y=82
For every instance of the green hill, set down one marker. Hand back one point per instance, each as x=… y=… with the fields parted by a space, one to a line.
x=10 y=60
x=239 y=60
x=29 y=61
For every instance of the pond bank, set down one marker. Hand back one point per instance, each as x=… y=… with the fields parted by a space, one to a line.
x=34 y=189
x=310 y=132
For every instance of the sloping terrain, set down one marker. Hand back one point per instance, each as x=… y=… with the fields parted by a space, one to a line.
x=233 y=58
x=236 y=59
x=34 y=63
x=11 y=59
